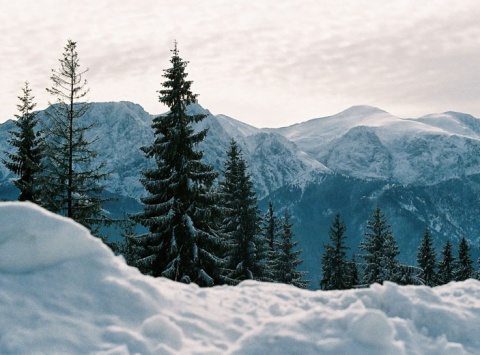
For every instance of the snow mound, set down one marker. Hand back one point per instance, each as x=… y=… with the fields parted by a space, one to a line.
x=33 y=238
x=78 y=298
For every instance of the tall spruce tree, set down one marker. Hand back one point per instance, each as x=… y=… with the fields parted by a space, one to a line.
x=464 y=265
x=247 y=252
x=446 y=266
x=74 y=180
x=354 y=276
x=182 y=241
x=336 y=269
x=28 y=142
x=288 y=258
x=270 y=227
x=391 y=267
x=427 y=260
x=270 y=230
x=380 y=251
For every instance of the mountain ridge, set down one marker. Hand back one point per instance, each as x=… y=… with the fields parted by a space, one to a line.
x=425 y=150
x=423 y=172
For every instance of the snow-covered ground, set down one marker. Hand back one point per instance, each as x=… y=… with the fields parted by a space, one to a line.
x=63 y=291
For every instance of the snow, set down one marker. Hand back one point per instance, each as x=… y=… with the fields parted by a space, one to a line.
x=29 y=245
x=236 y=129
x=453 y=122
x=273 y=161
x=63 y=291
x=366 y=142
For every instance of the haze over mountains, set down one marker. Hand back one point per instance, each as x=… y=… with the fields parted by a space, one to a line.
x=422 y=172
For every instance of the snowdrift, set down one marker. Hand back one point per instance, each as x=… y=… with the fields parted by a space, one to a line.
x=63 y=291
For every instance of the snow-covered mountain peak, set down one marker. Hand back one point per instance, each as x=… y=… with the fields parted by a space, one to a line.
x=454 y=122
x=367 y=142
x=360 y=110
x=119 y=111
x=328 y=128
x=236 y=128
x=197 y=109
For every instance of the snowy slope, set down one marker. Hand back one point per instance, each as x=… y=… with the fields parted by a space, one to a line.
x=455 y=123
x=366 y=142
x=63 y=291
x=273 y=161
x=121 y=128
x=322 y=130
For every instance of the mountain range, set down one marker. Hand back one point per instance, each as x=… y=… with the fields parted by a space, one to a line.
x=422 y=172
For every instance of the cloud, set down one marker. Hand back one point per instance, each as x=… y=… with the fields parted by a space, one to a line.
x=264 y=62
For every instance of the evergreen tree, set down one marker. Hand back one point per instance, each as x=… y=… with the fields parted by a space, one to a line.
x=124 y=246
x=410 y=275
x=247 y=252
x=354 y=276
x=270 y=227
x=288 y=258
x=74 y=182
x=380 y=251
x=182 y=241
x=446 y=266
x=336 y=269
x=391 y=267
x=270 y=234
x=28 y=141
x=427 y=260
x=464 y=265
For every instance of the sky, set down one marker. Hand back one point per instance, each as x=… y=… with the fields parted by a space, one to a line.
x=264 y=62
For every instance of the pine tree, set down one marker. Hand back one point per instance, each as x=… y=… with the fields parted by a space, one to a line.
x=391 y=267
x=74 y=182
x=354 y=276
x=270 y=234
x=182 y=240
x=247 y=252
x=446 y=266
x=380 y=263
x=427 y=260
x=464 y=265
x=289 y=258
x=270 y=227
x=336 y=269
x=28 y=141
x=410 y=275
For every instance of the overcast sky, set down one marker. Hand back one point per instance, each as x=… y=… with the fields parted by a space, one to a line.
x=268 y=63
